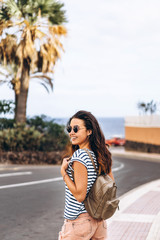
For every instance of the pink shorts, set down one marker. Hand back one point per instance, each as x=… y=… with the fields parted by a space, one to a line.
x=84 y=227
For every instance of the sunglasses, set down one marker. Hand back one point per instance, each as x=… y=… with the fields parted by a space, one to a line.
x=76 y=128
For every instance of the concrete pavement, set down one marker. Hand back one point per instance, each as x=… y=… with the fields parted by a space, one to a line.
x=139 y=214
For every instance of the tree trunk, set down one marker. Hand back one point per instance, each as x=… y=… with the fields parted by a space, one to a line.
x=16 y=100
x=21 y=98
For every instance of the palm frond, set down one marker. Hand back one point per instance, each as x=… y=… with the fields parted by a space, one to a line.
x=44 y=86
x=36 y=33
x=4 y=14
x=51 y=9
x=44 y=81
x=57 y=30
x=9 y=72
x=8 y=47
x=13 y=9
x=3 y=81
x=57 y=15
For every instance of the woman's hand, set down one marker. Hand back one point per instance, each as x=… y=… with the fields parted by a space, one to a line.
x=64 y=165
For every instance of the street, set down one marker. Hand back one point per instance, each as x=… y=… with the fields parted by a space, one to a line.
x=32 y=197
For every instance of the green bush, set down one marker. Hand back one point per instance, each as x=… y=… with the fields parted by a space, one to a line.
x=39 y=122
x=20 y=138
x=54 y=136
x=6 y=123
x=36 y=135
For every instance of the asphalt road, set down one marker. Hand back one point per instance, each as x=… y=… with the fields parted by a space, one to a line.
x=31 y=204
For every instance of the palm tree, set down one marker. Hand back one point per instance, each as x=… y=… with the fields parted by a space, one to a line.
x=8 y=76
x=147 y=107
x=30 y=32
x=152 y=107
x=142 y=106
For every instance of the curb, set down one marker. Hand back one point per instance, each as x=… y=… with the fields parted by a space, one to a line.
x=135 y=155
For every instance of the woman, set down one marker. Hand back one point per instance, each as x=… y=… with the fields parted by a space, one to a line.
x=85 y=133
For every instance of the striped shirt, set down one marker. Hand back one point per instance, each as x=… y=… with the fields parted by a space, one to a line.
x=73 y=208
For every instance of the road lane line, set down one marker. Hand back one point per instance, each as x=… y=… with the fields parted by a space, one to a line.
x=118 y=168
x=15 y=174
x=46 y=180
x=31 y=183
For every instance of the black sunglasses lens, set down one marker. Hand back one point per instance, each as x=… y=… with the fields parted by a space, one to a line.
x=69 y=129
x=75 y=129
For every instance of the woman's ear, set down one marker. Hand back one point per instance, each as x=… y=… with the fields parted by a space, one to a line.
x=89 y=132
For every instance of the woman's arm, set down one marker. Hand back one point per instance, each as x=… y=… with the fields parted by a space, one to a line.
x=79 y=187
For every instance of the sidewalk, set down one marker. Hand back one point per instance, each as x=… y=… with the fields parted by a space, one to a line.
x=121 y=152
x=139 y=215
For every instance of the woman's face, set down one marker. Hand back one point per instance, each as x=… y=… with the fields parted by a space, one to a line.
x=81 y=137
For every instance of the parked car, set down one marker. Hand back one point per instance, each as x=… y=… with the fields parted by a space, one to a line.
x=116 y=141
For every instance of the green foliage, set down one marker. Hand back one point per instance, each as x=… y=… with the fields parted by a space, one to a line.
x=54 y=136
x=6 y=123
x=39 y=122
x=7 y=106
x=20 y=138
x=29 y=9
x=37 y=135
x=4 y=14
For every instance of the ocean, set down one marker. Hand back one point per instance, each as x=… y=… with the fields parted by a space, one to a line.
x=110 y=126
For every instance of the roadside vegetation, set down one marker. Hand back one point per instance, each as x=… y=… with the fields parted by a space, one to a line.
x=37 y=141
x=37 y=134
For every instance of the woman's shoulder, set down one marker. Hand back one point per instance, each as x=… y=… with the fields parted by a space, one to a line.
x=82 y=156
x=80 y=153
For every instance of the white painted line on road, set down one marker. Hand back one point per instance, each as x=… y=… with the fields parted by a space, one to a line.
x=31 y=183
x=46 y=180
x=118 y=168
x=15 y=174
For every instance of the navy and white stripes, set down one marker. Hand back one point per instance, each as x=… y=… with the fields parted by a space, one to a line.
x=73 y=208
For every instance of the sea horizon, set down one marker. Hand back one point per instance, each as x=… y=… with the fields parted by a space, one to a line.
x=110 y=126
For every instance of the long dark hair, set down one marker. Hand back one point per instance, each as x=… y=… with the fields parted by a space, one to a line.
x=96 y=140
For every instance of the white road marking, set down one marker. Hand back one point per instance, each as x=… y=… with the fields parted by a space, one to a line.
x=15 y=174
x=118 y=168
x=31 y=183
x=40 y=181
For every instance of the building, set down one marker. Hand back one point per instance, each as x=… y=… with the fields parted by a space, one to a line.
x=142 y=133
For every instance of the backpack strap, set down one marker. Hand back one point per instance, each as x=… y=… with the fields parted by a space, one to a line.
x=90 y=156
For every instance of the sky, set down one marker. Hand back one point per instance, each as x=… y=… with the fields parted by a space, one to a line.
x=111 y=61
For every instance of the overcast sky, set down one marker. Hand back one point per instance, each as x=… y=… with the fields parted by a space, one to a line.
x=111 y=61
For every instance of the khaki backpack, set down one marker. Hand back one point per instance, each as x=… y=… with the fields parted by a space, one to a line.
x=101 y=202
